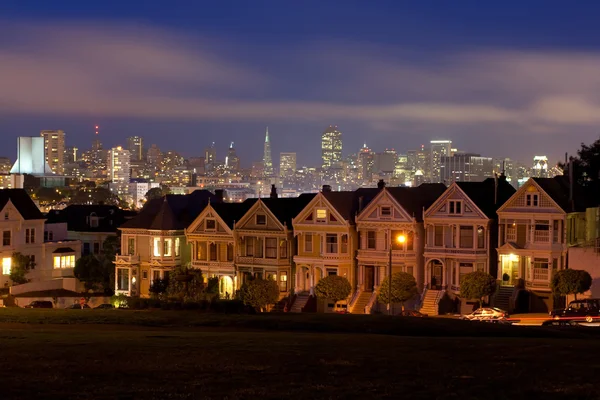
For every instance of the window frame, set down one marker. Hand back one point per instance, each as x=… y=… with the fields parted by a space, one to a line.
x=213 y=221
x=321 y=219
x=371 y=241
x=262 y=221
x=308 y=243
x=387 y=214
x=455 y=207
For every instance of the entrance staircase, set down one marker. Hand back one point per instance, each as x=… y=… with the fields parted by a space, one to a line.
x=502 y=299
x=300 y=302
x=431 y=301
x=361 y=302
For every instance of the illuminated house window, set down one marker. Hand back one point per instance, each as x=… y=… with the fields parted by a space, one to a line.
x=177 y=244
x=321 y=215
x=64 y=261
x=283 y=281
x=6 y=262
x=167 y=247
x=156 y=247
x=122 y=279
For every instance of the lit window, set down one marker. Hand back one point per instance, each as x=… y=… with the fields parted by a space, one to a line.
x=261 y=219
x=167 y=249
x=386 y=211
x=156 y=247
x=321 y=215
x=6 y=262
x=177 y=243
x=64 y=261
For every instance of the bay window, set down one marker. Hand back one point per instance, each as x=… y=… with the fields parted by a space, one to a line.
x=331 y=243
x=466 y=237
x=64 y=261
x=167 y=247
x=156 y=247
x=6 y=264
x=271 y=247
x=122 y=279
x=308 y=242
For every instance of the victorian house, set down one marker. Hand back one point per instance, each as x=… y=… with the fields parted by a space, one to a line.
x=265 y=239
x=154 y=242
x=392 y=220
x=532 y=242
x=327 y=239
x=461 y=236
x=212 y=241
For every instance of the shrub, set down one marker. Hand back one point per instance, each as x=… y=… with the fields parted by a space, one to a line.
x=120 y=301
x=404 y=288
x=333 y=288
x=259 y=293
x=570 y=281
x=477 y=285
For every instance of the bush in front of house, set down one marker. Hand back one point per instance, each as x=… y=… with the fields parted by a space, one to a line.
x=570 y=281
x=333 y=288
x=477 y=285
x=259 y=293
x=404 y=288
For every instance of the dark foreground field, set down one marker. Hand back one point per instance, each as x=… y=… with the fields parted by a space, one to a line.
x=161 y=355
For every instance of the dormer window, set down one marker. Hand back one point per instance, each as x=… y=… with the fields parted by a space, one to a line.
x=455 y=207
x=211 y=224
x=532 y=199
x=261 y=219
x=385 y=211
x=321 y=215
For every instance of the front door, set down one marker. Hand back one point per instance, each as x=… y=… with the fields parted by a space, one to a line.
x=369 y=278
x=436 y=275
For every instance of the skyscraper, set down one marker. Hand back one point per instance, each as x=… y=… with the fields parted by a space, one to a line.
x=210 y=157
x=135 y=145
x=331 y=148
x=154 y=155
x=540 y=167
x=287 y=165
x=267 y=160
x=71 y=155
x=365 y=163
x=439 y=148
x=232 y=161
x=119 y=169
x=54 y=147
x=465 y=167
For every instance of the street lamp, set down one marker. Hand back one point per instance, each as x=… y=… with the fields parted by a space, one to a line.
x=400 y=239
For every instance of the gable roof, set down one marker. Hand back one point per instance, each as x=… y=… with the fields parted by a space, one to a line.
x=485 y=195
x=76 y=217
x=22 y=202
x=348 y=204
x=285 y=209
x=415 y=199
x=233 y=212
x=172 y=212
x=558 y=188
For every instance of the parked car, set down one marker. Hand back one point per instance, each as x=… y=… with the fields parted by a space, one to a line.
x=40 y=304
x=412 y=313
x=491 y=314
x=105 y=306
x=587 y=310
x=76 y=307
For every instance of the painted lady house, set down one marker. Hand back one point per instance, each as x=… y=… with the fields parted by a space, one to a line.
x=265 y=239
x=461 y=228
x=154 y=242
x=392 y=220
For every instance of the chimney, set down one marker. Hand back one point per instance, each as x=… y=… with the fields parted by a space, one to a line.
x=219 y=195
x=380 y=184
x=360 y=203
x=273 y=194
x=326 y=188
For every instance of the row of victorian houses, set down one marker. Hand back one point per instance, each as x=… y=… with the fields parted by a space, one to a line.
x=521 y=237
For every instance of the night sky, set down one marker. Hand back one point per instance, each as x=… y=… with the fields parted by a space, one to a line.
x=510 y=78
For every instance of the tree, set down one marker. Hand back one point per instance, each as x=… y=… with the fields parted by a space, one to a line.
x=259 y=293
x=159 y=287
x=333 y=288
x=47 y=195
x=404 y=288
x=185 y=284
x=20 y=266
x=586 y=165
x=477 y=285
x=90 y=271
x=157 y=193
x=570 y=281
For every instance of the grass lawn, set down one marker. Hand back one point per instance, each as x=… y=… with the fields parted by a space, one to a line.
x=74 y=354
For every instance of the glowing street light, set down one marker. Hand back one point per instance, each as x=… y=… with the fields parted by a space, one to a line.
x=400 y=239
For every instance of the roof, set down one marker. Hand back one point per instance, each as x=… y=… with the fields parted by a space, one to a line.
x=415 y=199
x=77 y=217
x=348 y=204
x=171 y=212
x=485 y=195
x=61 y=250
x=558 y=188
x=285 y=209
x=232 y=212
x=22 y=202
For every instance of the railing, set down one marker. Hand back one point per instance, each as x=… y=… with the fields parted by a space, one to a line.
x=204 y=263
x=540 y=274
x=384 y=253
x=128 y=259
x=353 y=299
x=370 y=303
x=262 y=261
x=541 y=236
x=455 y=251
x=423 y=294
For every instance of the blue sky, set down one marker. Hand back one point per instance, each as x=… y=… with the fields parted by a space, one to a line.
x=511 y=79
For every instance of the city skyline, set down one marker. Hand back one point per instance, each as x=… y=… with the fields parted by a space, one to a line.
x=202 y=82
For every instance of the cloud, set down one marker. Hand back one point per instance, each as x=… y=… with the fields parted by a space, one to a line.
x=120 y=70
